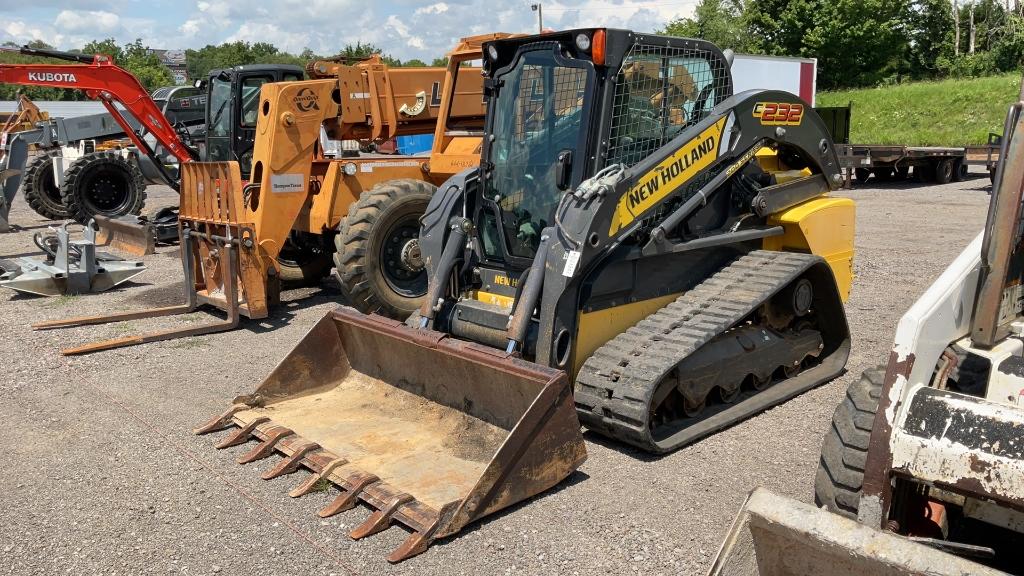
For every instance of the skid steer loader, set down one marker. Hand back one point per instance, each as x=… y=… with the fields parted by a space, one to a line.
x=633 y=228
x=925 y=453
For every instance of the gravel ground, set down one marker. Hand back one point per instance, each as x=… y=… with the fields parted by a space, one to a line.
x=102 y=475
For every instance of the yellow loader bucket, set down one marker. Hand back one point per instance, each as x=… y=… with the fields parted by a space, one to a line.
x=429 y=431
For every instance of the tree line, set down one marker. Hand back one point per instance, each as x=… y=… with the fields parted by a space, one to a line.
x=869 y=42
x=857 y=42
x=141 y=61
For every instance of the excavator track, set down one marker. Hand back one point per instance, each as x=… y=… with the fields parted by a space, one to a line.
x=616 y=386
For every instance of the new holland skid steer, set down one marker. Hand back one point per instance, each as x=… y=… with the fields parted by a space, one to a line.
x=638 y=249
x=922 y=470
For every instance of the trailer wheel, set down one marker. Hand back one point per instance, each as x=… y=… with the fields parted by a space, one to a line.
x=944 y=171
x=375 y=244
x=959 y=170
x=40 y=188
x=924 y=173
x=103 y=183
x=840 y=477
x=862 y=174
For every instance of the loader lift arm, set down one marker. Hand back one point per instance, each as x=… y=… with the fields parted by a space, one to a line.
x=101 y=79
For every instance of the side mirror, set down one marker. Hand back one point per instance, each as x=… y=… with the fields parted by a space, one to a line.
x=199 y=84
x=563 y=170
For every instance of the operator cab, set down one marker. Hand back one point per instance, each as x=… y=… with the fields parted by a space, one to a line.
x=233 y=96
x=546 y=131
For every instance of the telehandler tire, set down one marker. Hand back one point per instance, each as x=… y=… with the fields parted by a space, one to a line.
x=103 y=183
x=304 y=263
x=40 y=188
x=840 y=477
x=381 y=227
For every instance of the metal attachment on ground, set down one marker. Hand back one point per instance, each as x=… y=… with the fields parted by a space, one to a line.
x=219 y=269
x=69 y=266
x=444 y=461
x=138 y=235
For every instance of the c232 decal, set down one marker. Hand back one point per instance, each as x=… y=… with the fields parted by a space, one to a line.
x=779 y=113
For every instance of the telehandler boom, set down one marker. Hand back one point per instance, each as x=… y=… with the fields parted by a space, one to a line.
x=638 y=249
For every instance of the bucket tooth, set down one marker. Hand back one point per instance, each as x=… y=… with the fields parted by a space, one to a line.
x=221 y=421
x=265 y=448
x=349 y=496
x=242 y=435
x=291 y=463
x=310 y=483
x=380 y=520
x=417 y=543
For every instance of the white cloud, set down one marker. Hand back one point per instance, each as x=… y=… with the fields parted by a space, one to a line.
x=95 y=21
x=425 y=31
x=439 y=8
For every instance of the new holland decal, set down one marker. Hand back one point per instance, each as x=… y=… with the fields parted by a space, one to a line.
x=660 y=181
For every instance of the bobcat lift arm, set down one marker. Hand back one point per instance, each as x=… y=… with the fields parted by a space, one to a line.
x=102 y=80
x=233 y=233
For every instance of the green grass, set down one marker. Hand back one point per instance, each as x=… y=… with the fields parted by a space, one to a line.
x=941 y=113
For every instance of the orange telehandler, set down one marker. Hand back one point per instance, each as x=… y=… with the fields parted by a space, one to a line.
x=301 y=210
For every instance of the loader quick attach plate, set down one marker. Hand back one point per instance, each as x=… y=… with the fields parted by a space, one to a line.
x=430 y=432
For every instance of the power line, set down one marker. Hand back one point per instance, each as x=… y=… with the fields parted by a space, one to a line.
x=621 y=7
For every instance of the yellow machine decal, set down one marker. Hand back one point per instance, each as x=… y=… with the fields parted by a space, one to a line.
x=492 y=298
x=663 y=179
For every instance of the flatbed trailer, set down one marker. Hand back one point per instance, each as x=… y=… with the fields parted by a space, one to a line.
x=888 y=162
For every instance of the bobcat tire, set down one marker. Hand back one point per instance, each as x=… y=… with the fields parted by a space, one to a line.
x=103 y=183
x=840 y=477
x=373 y=246
x=40 y=188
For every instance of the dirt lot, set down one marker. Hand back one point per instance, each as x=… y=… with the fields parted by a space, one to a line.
x=101 y=473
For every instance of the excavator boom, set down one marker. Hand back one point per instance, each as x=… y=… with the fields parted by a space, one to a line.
x=101 y=80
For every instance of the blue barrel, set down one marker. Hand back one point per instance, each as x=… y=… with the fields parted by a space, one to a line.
x=409 y=145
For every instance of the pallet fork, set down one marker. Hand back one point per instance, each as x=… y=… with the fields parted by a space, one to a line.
x=218 y=255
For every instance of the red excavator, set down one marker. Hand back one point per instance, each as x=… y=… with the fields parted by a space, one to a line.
x=111 y=183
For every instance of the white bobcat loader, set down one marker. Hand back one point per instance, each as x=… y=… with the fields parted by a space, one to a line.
x=922 y=471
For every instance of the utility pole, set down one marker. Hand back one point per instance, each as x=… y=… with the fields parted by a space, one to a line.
x=539 y=9
x=956 y=29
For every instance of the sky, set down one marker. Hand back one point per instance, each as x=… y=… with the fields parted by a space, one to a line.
x=403 y=28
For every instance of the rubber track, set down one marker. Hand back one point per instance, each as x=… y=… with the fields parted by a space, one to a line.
x=615 y=385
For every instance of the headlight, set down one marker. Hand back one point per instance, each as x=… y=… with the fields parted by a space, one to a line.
x=350 y=168
x=583 y=42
